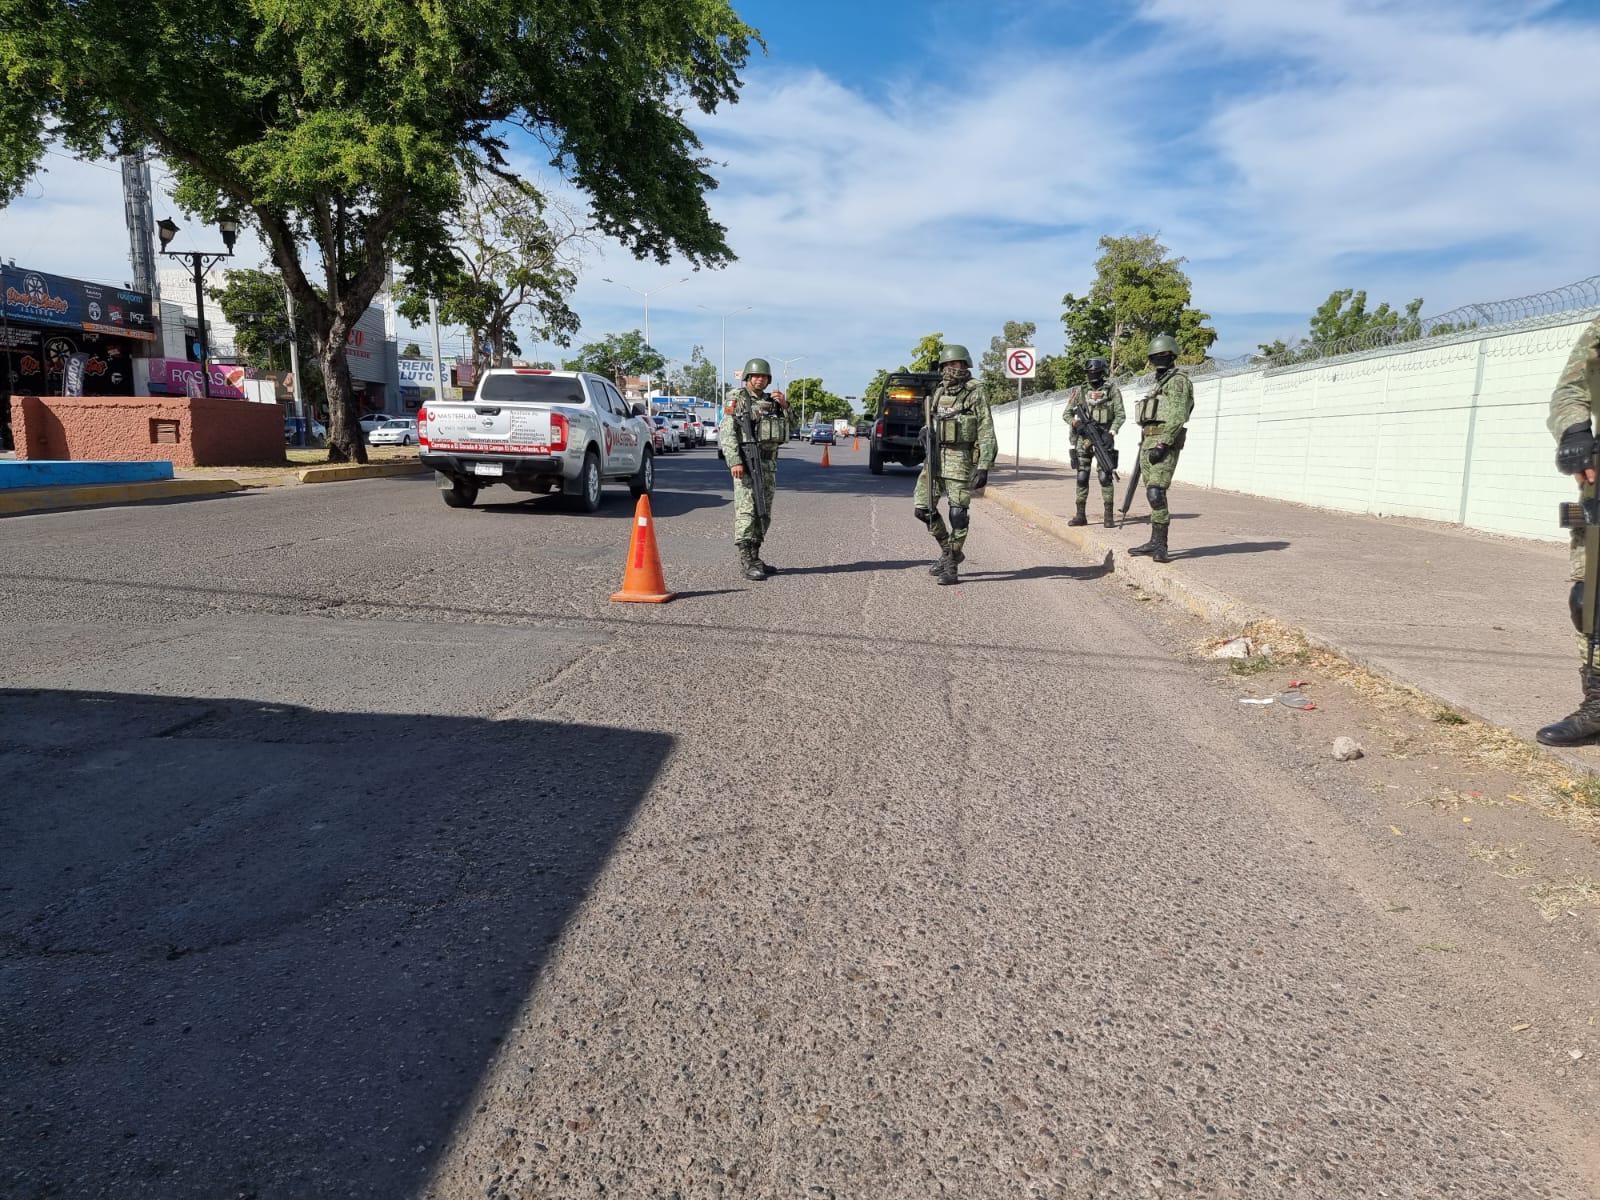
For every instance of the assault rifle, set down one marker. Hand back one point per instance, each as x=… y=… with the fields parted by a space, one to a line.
x=750 y=456
x=1585 y=515
x=933 y=448
x=1104 y=454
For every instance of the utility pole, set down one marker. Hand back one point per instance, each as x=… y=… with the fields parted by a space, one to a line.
x=302 y=425
x=438 y=362
x=141 y=228
x=786 y=362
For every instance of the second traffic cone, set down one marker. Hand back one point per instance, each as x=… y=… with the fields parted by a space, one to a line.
x=642 y=582
x=855 y=446
x=825 y=454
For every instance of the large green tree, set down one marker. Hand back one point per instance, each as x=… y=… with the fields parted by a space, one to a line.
x=347 y=133
x=817 y=403
x=925 y=354
x=515 y=253
x=253 y=302
x=1139 y=290
x=1344 y=314
x=617 y=355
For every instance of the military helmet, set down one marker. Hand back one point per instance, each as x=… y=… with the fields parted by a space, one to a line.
x=1163 y=343
x=954 y=353
x=1098 y=367
x=758 y=366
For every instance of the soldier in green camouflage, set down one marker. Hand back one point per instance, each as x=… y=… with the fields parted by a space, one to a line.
x=1571 y=422
x=968 y=448
x=769 y=418
x=1162 y=415
x=1104 y=402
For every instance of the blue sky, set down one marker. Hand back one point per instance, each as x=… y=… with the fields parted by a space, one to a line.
x=894 y=169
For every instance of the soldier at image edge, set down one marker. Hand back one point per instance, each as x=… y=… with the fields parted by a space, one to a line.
x=1163 y=413
x=959 y=430
x=1103 y=400
x=1571 y=422
x=751 y=412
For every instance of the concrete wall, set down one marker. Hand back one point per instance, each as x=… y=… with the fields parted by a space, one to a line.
x=35 y=473
x=1452 y=430
x=223 y=433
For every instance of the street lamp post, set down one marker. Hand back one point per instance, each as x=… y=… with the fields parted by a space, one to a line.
x=200 y=262
x=722 y=374
x=648 y=379
x=786 y=362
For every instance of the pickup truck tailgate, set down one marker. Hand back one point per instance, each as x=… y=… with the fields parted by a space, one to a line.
x=508 y=428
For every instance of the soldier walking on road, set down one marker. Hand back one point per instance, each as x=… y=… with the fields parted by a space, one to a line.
x=1104 y=402
x=963 y=429
x=1162 y=416
x=1572 y=407
x=768 y=416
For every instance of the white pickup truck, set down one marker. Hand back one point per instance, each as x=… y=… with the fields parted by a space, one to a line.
x=531 y=430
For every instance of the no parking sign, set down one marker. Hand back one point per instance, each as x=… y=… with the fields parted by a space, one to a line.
x=1021 y=362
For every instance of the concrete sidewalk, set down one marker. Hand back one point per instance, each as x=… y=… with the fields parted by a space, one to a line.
x=1478 y=621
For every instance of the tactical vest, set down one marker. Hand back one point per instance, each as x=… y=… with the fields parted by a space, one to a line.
x=1098 y=402
x=958 y=426
x=766 y=419
x=1150 y=406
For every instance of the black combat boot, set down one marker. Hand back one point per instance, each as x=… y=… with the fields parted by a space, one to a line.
x=938 y=563
x=1110 y=521
x=750 y=565
x=1583 y=724
x=1158 y=539
x=1080 y=517
x=764 y=564
x=1148 y=547
x=947 y=568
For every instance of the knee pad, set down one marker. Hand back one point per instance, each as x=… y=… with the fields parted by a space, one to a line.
x=1157 y=496
x=1105 y=479
x=958 y=517
x=1072 y=457
x=1575 y=604
x=1083 y=476
x=922 y=514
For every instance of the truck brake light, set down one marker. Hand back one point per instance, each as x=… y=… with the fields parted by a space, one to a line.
x=422 y=428
x=531 y=371
x=877 y=430
x=558 y=431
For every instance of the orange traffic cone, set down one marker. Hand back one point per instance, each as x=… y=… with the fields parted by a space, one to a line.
x=855 y=446
x=824 y=453
x=642 y=582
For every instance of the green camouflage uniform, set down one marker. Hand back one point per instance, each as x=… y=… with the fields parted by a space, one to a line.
x=1105 y=410
x=1162 y=416
x=772 y=430
x=1572 y=403
x=967 y=444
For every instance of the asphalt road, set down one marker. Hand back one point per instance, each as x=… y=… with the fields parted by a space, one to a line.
x=356 y=846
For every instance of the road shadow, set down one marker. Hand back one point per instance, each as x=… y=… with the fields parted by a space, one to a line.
x=854 y=568
x=1098 y=571
x=259 y=950
x=1229 y=548
x=614 y=503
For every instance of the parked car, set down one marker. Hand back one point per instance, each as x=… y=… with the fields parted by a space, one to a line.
x=372 y=421
x=533 y=430
x=402 y=431
x=708 y=432
x=658 y=439
x=669 y=433
x=316 y=430
x=692 y=427
x=679 y=420
x=822 y=433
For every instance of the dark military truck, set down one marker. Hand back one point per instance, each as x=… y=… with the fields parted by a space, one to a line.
x=897 y=429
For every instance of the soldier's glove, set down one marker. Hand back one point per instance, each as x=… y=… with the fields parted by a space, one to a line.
x=981 y=479
x=1576 y=449
x=1157 y=452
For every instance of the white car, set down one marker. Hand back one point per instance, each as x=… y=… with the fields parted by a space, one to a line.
x=372 y=421
x=402 y=431
x=708 y=432
x=534 y=430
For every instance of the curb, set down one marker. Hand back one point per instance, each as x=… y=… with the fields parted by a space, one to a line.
x=1220 y=608
x=339 y=473
x=26 y=500
x=1203 y=600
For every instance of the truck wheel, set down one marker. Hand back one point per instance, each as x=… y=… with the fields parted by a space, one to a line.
x=875 y=461
x=460 y=494
x=587 y=497
x=643 y=481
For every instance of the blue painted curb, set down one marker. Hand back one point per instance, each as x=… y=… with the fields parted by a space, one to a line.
x=33 y=473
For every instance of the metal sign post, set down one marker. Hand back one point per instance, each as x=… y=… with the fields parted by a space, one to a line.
x=1021 y=363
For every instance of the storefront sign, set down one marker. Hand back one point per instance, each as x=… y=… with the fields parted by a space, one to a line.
x=416 y=372
x=180 y=377
x=36 y=298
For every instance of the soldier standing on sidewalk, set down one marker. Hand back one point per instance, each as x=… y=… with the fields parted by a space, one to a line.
x=1572 y=407
x=1163 y=413
x=769 y=419
x=965 y=427
x=1104 y=402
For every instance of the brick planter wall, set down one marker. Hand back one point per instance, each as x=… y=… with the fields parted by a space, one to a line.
x=187 y=431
